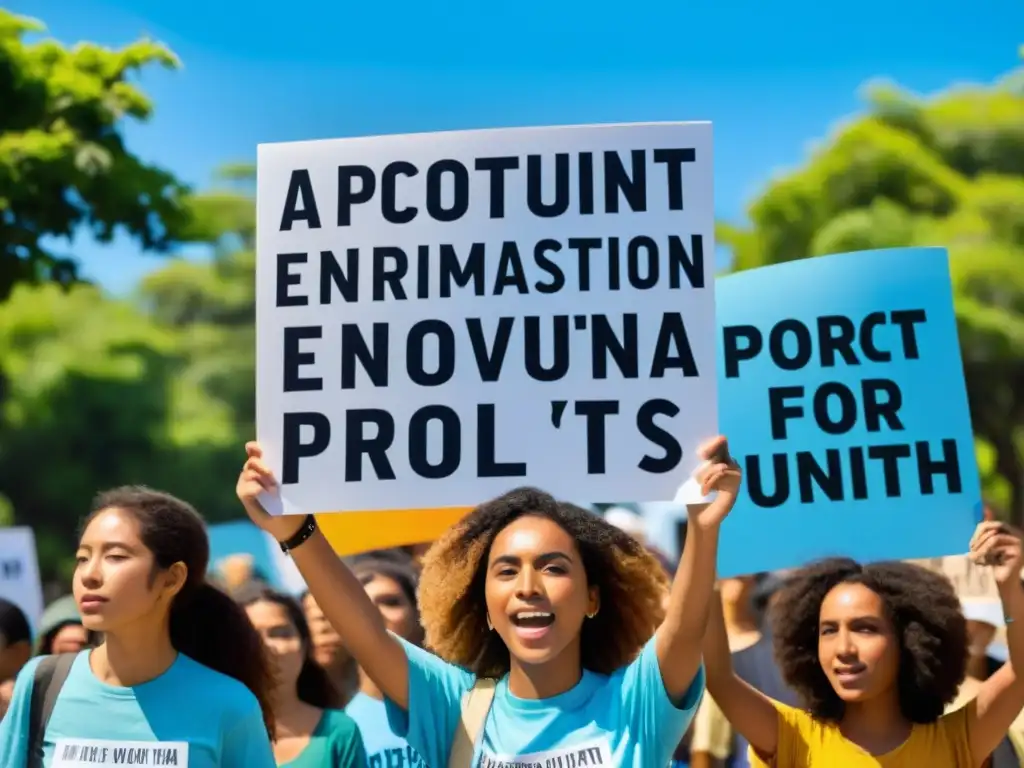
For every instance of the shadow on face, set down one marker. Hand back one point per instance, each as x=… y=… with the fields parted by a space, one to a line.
x=400 y=615
x=13 y=657
x=282 y=639
x=328 y=649
x=857 y=646
x=537 y=592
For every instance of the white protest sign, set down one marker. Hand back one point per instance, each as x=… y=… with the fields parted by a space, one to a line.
x=79 y=753
x=19 y=572
x=442 y=317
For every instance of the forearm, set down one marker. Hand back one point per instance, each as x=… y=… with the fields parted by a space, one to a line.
x=681 y=634
x=715 y=648
x=1012 y=597
x=340 y=596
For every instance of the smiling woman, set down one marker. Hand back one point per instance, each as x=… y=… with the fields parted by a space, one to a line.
x=169 y=638
x=551 y=637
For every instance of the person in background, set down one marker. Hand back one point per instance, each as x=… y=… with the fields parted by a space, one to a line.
x=329 y=652
x=418 y=551
x=311 y=729
x=876 y=653
x=744 y=603
x=180 y=666
x=391 y=585
x=15 y=640
x=6 y=692
x=61 y=629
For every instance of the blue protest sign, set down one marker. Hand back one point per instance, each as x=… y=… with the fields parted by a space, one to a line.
x=842 y=395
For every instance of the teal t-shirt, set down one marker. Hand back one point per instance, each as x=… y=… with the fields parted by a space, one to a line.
x=622 y=720
x=384 y=748
x=190 y=717
x=336 y=743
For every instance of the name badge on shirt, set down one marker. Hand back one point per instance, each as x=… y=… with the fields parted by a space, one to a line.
x=89 y=753
x=584 y=755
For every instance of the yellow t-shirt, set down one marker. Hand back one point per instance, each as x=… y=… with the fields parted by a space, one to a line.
x=808 y=743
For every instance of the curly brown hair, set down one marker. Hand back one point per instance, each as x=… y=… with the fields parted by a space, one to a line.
x=631 y=584
x=927 y=620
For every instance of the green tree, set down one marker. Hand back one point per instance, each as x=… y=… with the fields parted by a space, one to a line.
x=97 y=393
x=212 y=304
x=85 y=393
x=64 y=166
x=946 y=170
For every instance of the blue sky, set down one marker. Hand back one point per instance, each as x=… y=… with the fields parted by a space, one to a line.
x=773 y=77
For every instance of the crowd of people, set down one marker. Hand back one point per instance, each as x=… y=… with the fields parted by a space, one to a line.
x=533 y=633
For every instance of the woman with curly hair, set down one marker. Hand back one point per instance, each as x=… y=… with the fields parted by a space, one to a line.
x=544 y=612
x=876 y=653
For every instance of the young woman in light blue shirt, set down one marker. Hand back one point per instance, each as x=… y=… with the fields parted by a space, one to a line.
x=567 y=613
x=180 y=677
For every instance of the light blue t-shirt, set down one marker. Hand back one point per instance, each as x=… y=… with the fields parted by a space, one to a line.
x=622 y=720
x=384 y=748
x=190 y=716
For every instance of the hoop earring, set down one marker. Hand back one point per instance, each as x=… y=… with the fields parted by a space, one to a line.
x=490 y=626
x=592 y=615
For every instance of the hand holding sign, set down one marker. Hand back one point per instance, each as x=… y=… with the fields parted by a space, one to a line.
x=719 y=473
x=255 y=480
x=998 y=545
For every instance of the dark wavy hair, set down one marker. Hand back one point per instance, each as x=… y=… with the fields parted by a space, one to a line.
x=926 y=617
x=630 y=580
x=314 y=686
x=402 y=571
x=205 y=623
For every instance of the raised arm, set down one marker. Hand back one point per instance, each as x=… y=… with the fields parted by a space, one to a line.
x=747 y=709
x=1001 y=697
x=679 y=638
x=336 y=590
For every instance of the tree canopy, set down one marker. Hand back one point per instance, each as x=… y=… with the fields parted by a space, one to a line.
x=64 y=166
x=944 y=170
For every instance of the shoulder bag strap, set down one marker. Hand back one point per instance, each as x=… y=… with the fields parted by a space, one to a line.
x=476 y=703
x=50 y=675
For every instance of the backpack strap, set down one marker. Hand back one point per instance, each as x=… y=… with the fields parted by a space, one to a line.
x=476 y=703
x=51 y=672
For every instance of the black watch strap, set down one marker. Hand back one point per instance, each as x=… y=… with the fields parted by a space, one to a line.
x=308 y=529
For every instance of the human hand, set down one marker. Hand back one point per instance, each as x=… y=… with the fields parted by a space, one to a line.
x=255 y=479
x=719 y=473
x=998 y=546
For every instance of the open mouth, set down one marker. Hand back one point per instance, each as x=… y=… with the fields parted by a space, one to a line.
x=533 y=619
x=849 y=673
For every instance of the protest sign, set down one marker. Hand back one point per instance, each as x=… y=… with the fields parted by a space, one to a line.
x=843 y=397
x=971 y=581
x=442 y=317
x=19 y=571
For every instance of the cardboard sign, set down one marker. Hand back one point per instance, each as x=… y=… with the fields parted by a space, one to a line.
x=443 y=317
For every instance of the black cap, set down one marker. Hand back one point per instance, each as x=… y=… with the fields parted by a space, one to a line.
x=14 y=626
